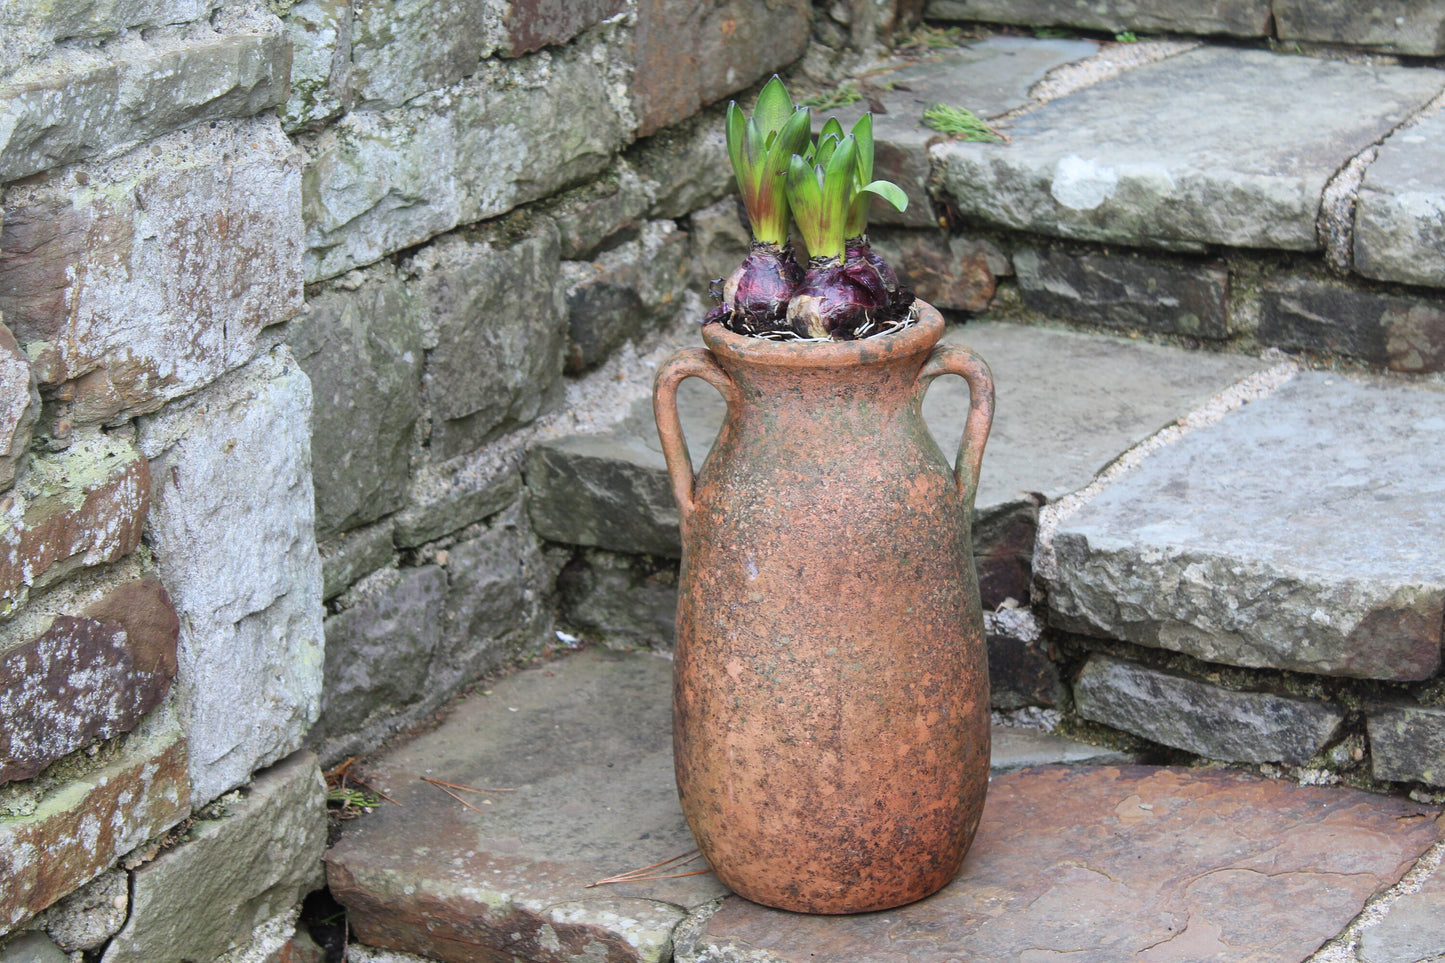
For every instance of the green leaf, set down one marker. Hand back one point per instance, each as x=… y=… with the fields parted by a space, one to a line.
x=889 y=191
x=826 y=146
x=774 y=106
x=838 y=179
x=737 y=126
x=831 y=126
x=863 y=134
x=805 y=196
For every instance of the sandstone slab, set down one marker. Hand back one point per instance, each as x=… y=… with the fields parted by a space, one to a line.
x=363 y=426
x=1126 y=290
x=1215 y=146
x=379 y=181
x=1412 y=931
x=1407 y=743
x=132 y=283
x=80 y=508
x=85 y=679
x=1405 y=28
x=1303 y=531
x=74 y=831
x=1400 y=208
x=1239 y=18
x=80 y=102
x=1401 y=331
x=1204 y=719
x=231 y=873
x=233 y=532
x=989 y=77
x=583 y=747
x=1120 y=863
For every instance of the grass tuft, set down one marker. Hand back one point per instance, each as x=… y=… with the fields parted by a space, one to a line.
x=841 y=97
x=960 y=122
x=1126 y=36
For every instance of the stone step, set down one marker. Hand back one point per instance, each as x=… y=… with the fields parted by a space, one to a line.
x=1103 y=862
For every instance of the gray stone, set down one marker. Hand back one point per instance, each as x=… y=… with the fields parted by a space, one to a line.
x=135 y=280
x=1411 y=932
x=1204 y=719
x=363 y=349
x=320 y=36
x=1126 y=290
x=29 y=28
x=32 y=948
x=1416 y=28
x=88 y=917
x=1407 y=743
x=584 y=746
x=1017 y=748
x=1406 y=333
x=402 y=48
x=233 y=533
x=624 y=293
x=719 y=237
x=624 y=601
x=254 y=860
x=380 y=181
x=1238 y=18
x=378 y=650
x=1020 y=671
x=1303 y=531
x=1216 y=146
x=587 y=216
x=353 y=555
x=950 y=273
x=528 y=25
x=79 y=103
x=686 y=166
x=463 y=500
x=19 y=404
x=1400 y=208
x=498 y=309
x=989 y=77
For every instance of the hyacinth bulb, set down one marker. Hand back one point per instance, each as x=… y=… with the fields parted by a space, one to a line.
x=755 y=297
x=836 y=300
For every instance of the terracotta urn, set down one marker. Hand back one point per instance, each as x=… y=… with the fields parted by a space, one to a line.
x=830 y=695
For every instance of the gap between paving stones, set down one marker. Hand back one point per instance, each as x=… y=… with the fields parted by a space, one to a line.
x=1342 y=949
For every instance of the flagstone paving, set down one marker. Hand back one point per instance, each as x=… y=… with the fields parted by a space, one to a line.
x=1103 y=863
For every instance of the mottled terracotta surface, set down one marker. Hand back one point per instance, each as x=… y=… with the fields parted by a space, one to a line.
x=830 y=694
x=1103 y=865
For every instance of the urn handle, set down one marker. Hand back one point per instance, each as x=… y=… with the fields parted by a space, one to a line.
x=682 y=364
x=959 y=360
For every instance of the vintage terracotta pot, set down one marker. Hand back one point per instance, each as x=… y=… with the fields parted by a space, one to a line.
x=830 y=696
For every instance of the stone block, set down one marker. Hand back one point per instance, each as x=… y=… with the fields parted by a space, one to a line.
x=686 y=166
x=624 y=601
x=516 y=131
x=1219 y=145
x=1126 y=290
x=321 y=86
x=353 y=555
x=72 y=833
x=19 y=404
x=32 y=948
x=1204 y=719
x=1411 y=930
x=950 y=273
x=1415 y=28
x=254 y=860
x=79 y=508
x=1235 y=18
x=403 y=48
x=720 y=239
x=85 y=679
x=989 y=77
x=29 y=28
x=1020 y=672
x=134 y=282
x=624 y=292
x=1404 y=332
x=1303 y=531
x=1407 y=743
x=1400 y=208
x=362 y=346
x=91 y=915
x=378 y=650
x=78 y=103
x=587 y=216
x=528 y=25
x=232 y=531
x=1014 y=748
x=498 y=310
x=692 y=54
x=455 y=501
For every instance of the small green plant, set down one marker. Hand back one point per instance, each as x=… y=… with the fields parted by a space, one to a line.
x=1053 y=33
x=348 y=799
x=1126 y=36
x=960 y=122
x=842 y=96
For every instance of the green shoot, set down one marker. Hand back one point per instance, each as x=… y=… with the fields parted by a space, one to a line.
x=961 y=123
x=759 y=147
x=864 y=186
x=820 y=194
